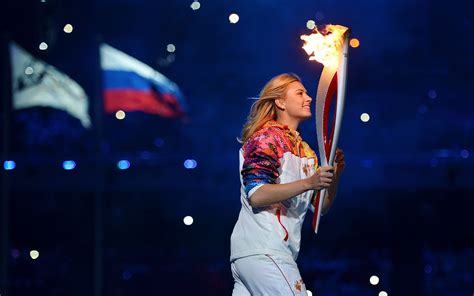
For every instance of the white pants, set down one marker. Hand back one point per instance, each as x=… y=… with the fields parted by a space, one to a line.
x=266 y=275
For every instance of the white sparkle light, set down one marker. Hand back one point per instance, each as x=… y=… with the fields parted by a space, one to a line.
x=120 y=115
x=374 y=280
x=34 y=254
x=68 y=28
x=29 y=70
x=364 y=117
x=43 y=46
x=234 y=18
x=170 y=47
x=188 y=220
x=195 y=5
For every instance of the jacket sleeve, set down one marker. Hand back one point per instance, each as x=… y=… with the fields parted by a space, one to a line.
x=261 y=161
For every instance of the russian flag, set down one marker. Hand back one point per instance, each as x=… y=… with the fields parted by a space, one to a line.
x=131 y=85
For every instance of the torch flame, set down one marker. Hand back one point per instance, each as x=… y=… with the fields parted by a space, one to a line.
x=325 y=46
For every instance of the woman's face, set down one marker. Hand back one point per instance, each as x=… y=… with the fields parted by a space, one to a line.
x=297 y=103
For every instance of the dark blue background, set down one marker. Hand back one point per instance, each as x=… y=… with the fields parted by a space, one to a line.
x=404 y=207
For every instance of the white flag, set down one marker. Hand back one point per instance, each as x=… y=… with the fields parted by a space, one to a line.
x=36 y=83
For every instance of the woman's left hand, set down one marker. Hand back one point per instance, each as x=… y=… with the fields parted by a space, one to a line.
x=339 y=163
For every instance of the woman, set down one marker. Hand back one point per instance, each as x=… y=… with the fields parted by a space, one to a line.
x=279 y=178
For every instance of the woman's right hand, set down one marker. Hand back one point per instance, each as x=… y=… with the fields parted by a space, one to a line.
x=322 y=178
x=269 y=194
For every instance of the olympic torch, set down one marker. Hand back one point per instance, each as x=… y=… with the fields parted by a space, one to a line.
x=330 y=46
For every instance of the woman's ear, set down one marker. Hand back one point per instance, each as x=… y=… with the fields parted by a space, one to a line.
x=280 y=103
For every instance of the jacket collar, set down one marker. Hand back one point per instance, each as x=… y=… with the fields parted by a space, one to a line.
x=294 y=135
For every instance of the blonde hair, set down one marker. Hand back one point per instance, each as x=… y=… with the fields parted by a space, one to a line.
x=264 y=109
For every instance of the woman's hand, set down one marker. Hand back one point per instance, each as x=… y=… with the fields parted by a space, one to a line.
x=339 y=163
x=322 y=178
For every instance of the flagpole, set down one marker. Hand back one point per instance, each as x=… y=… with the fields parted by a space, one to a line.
x=97 y=111
x=6 y=94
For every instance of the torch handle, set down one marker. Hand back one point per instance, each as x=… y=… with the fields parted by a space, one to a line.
x=324 y=93
x=341 y=94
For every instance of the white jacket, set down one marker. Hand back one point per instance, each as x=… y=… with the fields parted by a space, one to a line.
x=272 y=155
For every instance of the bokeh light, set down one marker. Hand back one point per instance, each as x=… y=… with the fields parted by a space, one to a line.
x=34 y=254
x=170 y=58
x=374 y=280
x=364 y=117
x=120 y=114
x=69 y=165
x=233 y=18
x=171 y=47
x=43 y=46
x=354 y=42
x=188 y=220
x=190 y=164
x=9 y=165
x=123 y=164
x=29 y=70
x=68 y=28
x=432 y=94
x=195 y=5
